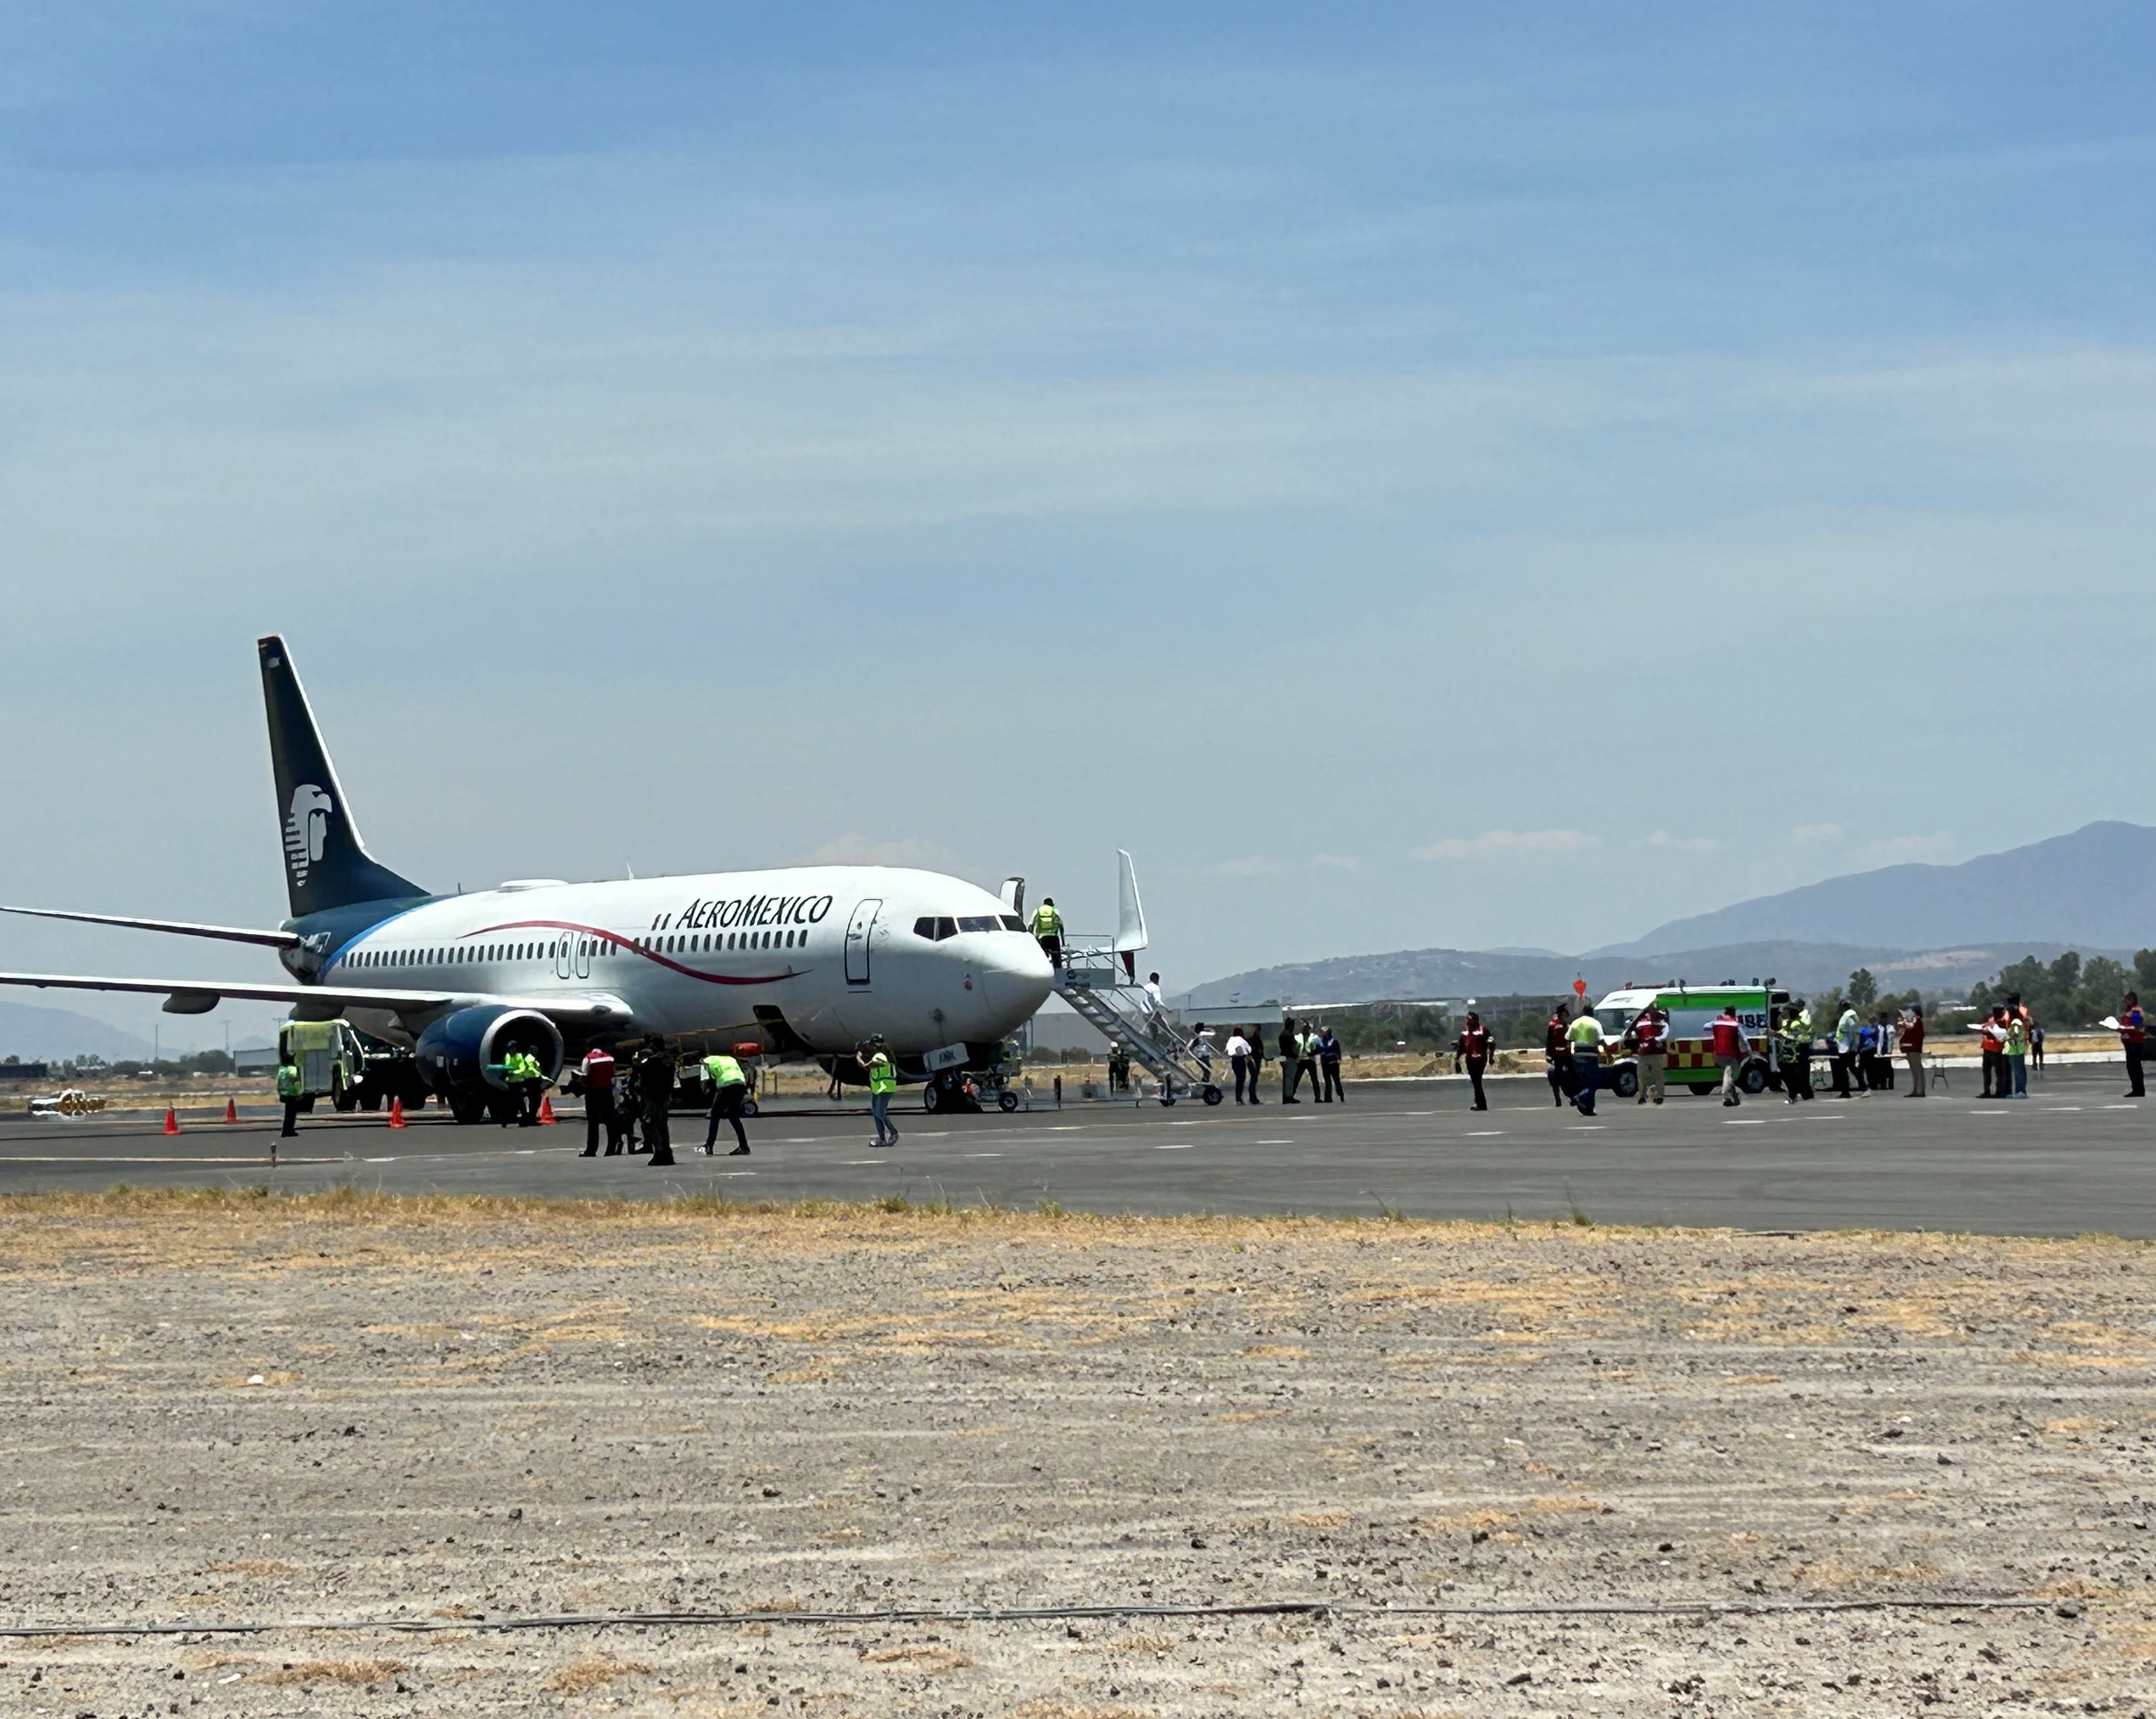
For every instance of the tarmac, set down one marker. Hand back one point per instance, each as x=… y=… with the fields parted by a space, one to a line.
x=2072 y=1159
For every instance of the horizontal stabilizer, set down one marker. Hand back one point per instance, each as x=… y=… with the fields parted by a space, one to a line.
x=178 y=927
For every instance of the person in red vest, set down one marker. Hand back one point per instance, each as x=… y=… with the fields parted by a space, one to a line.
x=2132 y=1035
x=1994 y=1043
x=597 y=1071
x=1731 y=1047
x=1557 y=1055
x=1651 y=1034
x=1912 y=1047
x=1472 y=1048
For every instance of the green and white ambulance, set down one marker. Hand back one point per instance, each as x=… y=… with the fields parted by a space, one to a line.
x=1691 y=1008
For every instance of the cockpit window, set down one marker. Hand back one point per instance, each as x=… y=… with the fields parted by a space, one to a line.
x=935 y=929
x=1012 y=922
x=977 y=922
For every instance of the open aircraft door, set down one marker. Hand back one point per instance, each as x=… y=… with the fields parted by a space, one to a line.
x=859 y=930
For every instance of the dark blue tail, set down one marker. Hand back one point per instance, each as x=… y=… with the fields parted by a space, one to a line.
x=325 y=863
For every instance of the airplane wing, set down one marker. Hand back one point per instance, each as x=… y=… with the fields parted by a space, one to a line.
x=200 y=996
x=230 y=933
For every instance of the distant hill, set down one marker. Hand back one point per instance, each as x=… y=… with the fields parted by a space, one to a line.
x=53 y=1034
x=1468 y=972
x=2096 y=888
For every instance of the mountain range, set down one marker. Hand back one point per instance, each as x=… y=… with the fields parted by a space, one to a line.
x=1940 y=928
x=54 y=1034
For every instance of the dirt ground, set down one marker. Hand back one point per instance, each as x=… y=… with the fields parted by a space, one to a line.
x=227 y=1408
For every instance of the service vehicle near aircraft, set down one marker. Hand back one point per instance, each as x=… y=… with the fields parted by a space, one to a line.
x=1691 y=1008
x=807 y=961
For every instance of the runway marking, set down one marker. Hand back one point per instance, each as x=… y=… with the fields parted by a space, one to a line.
x=1274 y=1142
x=1482 y=1133
x=1748 y=1121
x=2121 y=1107
x=1177 y=1147
x=1991 y=1113
x=377 y=1160
x=1585 y=1127
x=1064 y=1128
x=527 y=1152
x=983 y=1154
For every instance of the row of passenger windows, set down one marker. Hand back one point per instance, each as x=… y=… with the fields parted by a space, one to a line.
x=675 y=943
x=935 y=930
x=718 y=942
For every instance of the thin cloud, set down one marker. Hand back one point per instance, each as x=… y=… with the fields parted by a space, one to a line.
x=856 y=850
x=1899 y=849
x=1817 y=832
x=1684 y=843
x=1493 y=843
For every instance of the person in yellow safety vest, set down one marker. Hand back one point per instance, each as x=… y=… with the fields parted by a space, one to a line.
x=1585 y=1036
x=520 y=1069
x=288 y=1090
x=1048 y=929
x=729 y=1090
x=883 y=1081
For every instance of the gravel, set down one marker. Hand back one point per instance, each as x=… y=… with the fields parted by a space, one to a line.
x=348 y=1410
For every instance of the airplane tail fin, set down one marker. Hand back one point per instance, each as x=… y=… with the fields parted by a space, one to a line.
x=326 y=863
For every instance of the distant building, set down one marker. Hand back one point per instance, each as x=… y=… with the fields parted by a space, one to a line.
x=258 y=1060
x=11 y=1069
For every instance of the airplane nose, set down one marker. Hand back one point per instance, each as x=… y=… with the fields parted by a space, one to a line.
x=1015 y=979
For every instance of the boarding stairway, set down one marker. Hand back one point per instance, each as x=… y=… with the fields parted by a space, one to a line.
x=1094 y=981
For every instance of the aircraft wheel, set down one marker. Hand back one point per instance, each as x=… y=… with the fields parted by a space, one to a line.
x=931 y=1098
x=748 y=1107
x=1007 y=1102
x=466 y=1109
x=1212 y=1095
x=343 y=1098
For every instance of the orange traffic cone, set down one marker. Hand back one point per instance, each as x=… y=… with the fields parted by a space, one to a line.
x=171 y=1120
x=547 y=1118
x=231 y=1110
x=397 y=1113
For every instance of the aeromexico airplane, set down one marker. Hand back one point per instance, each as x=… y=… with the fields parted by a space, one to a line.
x=807 y=959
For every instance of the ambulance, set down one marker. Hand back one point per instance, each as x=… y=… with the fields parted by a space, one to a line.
x=1691 y=1008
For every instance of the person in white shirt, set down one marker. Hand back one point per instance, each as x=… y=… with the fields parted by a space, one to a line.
x=1238 y=1059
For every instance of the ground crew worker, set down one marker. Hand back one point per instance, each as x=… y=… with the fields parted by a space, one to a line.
x=655 y=1080
x=1585 y=1037
x=883 y=1081
x=597 y=1071
x=1650 y=1038
x=535 y=1090
x=1328 y=1064
x=1306 y=1062
x=2132 y=1037
x=1794 y=1047
x=1472 y=1048
x=2016 y=1047
x=1287 y=1060
x=1726 y=1034
x=289 y=1092
x=1912 y=1047
x=729 y=1092
x=1844 y=1054
x=1048 y=930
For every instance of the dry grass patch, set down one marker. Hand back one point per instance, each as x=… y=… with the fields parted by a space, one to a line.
x=356 y=1672
x=582 y=1676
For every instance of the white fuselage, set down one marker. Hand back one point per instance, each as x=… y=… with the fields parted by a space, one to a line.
x=841 y=951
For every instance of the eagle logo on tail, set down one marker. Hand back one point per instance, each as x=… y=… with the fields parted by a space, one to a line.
x=307 y=826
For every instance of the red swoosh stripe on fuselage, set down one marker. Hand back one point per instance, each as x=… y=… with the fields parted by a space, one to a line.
x=627 y=947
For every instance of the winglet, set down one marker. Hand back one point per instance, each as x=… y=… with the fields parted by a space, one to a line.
x=1130 y=912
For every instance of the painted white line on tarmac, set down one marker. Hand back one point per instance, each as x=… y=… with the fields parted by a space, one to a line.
x=983 y=1154
x=1743 y=1121
x=1176 y=1146
x=1274 y=1142
x=1482 y=1133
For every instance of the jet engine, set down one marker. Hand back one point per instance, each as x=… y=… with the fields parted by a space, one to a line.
x=460 y=1054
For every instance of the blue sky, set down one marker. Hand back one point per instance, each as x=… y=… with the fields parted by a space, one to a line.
x=1456 y=476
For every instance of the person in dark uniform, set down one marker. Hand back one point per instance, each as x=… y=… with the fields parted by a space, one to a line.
x=288 y=1093
x=1472 y=1048
x=1328 y=1066
x=655 y=1080
x=1291 y=1070
x=598 y=1071
x=628 y=1105
x=2133 y=1039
